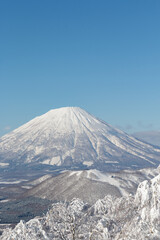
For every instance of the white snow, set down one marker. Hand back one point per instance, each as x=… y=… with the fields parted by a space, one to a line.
x=125 y=218
x=4 y=164
x=77 y=173
x=53 y=161
x=72 y=133
x=12 y=182
x=5 y=200
x=87 y=163
x=99 y=176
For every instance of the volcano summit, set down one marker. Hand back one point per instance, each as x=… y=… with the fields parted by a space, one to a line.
x=70 y=136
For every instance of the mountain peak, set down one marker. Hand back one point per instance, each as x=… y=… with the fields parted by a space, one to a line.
x=66 y=109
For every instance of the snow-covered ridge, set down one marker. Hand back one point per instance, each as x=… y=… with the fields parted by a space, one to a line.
x=89 y=185
x=71 y=136
x=125 y=218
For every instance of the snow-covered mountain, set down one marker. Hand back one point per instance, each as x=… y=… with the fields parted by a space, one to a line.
x=88 y=185
x=72 y=137
x=125 y=218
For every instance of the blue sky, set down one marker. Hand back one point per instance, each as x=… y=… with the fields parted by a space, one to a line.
x=103 y=56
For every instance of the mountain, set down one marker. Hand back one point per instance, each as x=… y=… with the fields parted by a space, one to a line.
x=88 y=185
x=152 y=137
x=71 y=137
x=125 y=218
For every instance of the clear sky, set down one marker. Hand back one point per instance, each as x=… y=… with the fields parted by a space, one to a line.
x=100 y=55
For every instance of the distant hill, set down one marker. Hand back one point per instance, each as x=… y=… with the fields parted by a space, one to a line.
x=152 y=137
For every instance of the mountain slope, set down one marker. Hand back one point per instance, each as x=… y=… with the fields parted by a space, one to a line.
x=72 y=137
x=89 y=185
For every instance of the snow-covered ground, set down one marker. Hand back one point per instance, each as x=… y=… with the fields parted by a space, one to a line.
x=125 y=218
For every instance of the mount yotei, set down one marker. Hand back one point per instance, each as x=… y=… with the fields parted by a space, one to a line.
x=71 y=137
